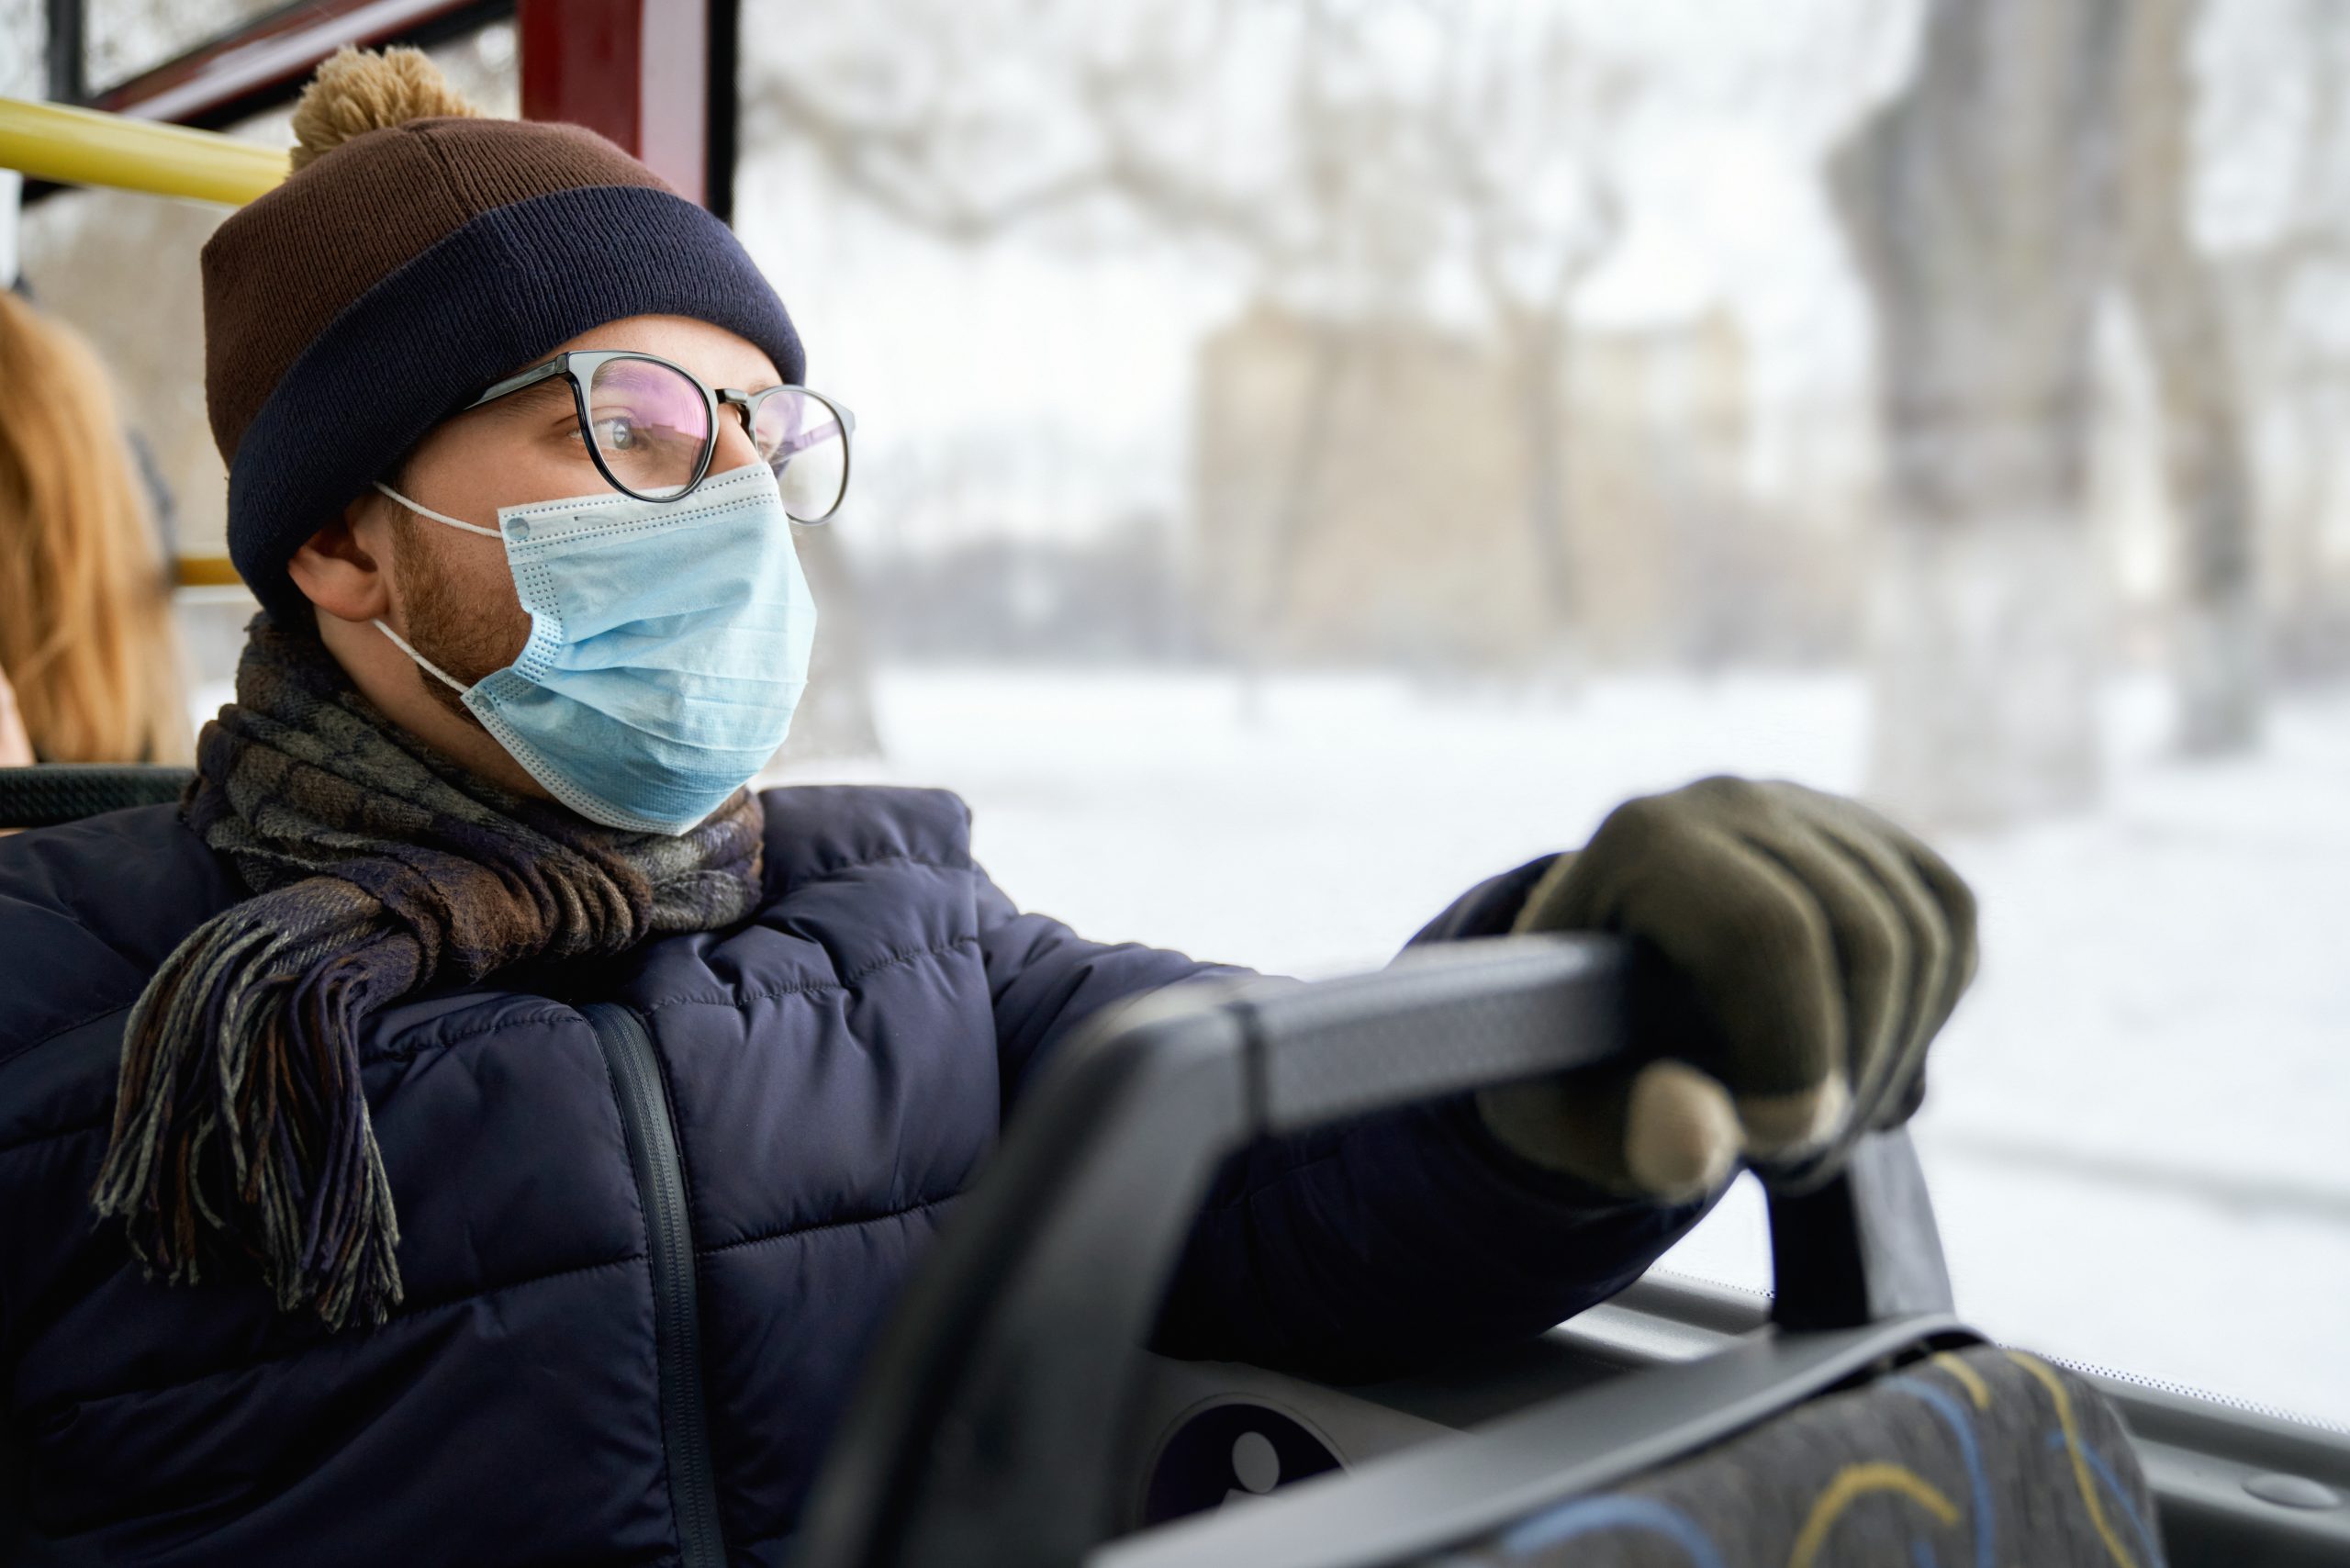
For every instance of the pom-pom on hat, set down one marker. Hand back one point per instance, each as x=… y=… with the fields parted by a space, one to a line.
x=418 y=252
x=354 y=93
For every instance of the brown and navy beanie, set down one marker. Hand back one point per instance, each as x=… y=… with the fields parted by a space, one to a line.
x=417 y=254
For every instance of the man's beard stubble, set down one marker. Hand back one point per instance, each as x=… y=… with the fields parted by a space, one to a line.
x=464 y=639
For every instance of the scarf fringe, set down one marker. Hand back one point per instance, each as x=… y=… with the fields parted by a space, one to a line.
x=241 y=1080
x=241 y=1135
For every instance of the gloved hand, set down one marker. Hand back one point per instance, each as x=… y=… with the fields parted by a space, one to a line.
x=1794 y=953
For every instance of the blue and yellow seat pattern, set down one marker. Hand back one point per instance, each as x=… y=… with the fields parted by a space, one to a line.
x=1979 y=1459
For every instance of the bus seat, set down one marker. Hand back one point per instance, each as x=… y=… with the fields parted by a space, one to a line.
x=1863 y=1424
x=53 y=792
x=1975 y=1456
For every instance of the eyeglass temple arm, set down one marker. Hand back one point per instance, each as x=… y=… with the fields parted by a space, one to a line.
x=519 y=379
x=744 y=403
x=807 y=439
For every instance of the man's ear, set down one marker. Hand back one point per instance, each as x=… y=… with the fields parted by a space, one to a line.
x=345 y=568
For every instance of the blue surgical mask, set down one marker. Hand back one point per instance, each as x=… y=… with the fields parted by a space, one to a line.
x=669 y=643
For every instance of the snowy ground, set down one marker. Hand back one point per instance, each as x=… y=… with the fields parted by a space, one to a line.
x=2139 y=1133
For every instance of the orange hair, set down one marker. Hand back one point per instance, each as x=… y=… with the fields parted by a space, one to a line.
x=85 y=628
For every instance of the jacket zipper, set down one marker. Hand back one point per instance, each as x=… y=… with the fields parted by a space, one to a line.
x=661 y=1187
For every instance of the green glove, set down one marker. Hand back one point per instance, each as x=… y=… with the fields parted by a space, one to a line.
x=1794 y=953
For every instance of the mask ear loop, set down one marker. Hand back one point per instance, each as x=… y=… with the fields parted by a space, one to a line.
x=437 y=517
x=402 y=644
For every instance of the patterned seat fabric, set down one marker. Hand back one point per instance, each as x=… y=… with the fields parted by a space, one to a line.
x=55 y=792
x=1980 y=1458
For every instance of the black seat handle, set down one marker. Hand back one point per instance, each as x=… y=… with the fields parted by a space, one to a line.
x=983 y=1433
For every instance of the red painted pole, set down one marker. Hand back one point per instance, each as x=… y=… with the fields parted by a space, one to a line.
x=636 y=70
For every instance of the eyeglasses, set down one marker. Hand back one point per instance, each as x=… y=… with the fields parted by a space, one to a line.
x=652 y=427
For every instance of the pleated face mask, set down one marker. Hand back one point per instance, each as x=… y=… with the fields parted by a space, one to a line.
x=669 y=644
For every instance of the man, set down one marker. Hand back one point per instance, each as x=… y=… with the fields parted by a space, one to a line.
x=503 y=1132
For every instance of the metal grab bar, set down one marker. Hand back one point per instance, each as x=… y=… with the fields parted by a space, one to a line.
x=90 y=147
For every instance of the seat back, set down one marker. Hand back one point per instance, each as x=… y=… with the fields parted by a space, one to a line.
x=1977 y=1457
x=53 y=792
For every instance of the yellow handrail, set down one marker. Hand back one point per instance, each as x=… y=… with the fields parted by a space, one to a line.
x=90 y=147
x=206 y=571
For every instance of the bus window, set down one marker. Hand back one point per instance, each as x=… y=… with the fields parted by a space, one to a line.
x=1362 y=438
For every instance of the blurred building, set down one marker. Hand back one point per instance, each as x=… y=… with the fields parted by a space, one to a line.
x=1390 y=491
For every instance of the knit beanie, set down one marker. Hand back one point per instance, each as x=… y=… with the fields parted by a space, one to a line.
x=418 y=253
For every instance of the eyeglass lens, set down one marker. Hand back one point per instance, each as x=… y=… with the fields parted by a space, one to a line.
x=801 y=437
x=650 y=424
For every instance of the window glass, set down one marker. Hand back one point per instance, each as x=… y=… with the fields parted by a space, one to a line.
x=1311 y=458
x=24 y=46
x=122 y=38
x=122 y=267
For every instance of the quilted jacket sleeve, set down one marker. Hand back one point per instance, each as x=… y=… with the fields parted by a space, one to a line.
x=1354 y=1250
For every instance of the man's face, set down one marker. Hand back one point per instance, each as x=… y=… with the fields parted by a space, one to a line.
x=454 y=590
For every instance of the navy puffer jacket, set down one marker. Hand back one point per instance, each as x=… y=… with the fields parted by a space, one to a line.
x=645 y=1245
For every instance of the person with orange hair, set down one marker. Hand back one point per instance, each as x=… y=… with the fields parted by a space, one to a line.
x=89 y=669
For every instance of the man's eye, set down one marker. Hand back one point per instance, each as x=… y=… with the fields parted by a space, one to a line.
x=617 y=434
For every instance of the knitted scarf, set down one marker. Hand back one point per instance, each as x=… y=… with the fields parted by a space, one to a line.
x=377 y=867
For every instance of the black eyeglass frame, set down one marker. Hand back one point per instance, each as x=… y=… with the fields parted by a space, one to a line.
x=578 y=367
